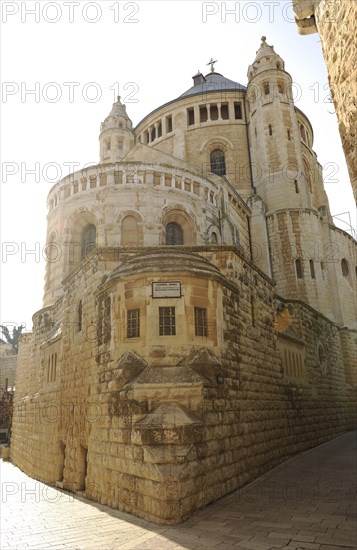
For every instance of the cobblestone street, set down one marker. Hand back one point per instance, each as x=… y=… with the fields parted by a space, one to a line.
x=308 y=502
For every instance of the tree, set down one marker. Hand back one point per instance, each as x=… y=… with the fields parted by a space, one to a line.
x=6 y=411
x=12 y=340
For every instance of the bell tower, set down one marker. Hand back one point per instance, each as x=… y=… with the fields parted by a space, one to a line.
x=274 y=134
x=116 y=135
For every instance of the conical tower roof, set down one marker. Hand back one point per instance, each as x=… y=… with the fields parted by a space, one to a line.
x=117 y=117
x=265 y=59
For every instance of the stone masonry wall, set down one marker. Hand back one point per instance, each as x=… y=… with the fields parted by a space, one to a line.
x=160 y=430
x=336 y=23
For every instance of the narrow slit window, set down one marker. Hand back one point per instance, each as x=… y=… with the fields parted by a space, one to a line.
x=79 y=316
x=312 y=269
x=252 y=309
x=298 y=268
x=270 y=130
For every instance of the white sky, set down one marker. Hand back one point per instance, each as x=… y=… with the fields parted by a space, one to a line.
x=149 y=50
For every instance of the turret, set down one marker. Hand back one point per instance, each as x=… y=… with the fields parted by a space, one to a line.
x=274 y=132
x=116 y=134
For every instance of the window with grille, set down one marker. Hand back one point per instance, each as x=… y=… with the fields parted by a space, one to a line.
x=218 y=162
x=167 y=322
x=201 y=328
x=133 y=325
x=173 y=234
x=88 y=240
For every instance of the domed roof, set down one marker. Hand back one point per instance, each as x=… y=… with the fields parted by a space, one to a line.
x=213 y=82
x=176 y=260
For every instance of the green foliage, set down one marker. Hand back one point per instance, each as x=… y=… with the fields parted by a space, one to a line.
x=6 y=408
x=13 y=339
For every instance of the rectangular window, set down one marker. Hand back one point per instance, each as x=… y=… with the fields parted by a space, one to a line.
x=133 y=326
x=203 y=113
x=224 y=111
x=159 y=130
x=201 y=328
x=168 y=124
x=237 y=110
x=167 y=323
x=214 y=112
x=190 y=117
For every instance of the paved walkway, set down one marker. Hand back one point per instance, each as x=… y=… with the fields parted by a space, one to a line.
x=308 y=502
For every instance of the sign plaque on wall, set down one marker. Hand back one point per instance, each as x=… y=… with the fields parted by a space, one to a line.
x=169 y=289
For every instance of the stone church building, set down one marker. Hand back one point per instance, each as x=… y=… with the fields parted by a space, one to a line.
x=199 y=315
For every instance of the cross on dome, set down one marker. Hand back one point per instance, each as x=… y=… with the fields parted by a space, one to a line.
x=212 y=62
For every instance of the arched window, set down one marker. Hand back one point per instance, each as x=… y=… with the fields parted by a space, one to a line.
x=214 y=239
x=344 y=267
x=218 y=162
x=88 y=240
x=298 y=268
x=129 y=231
x=173 y=234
